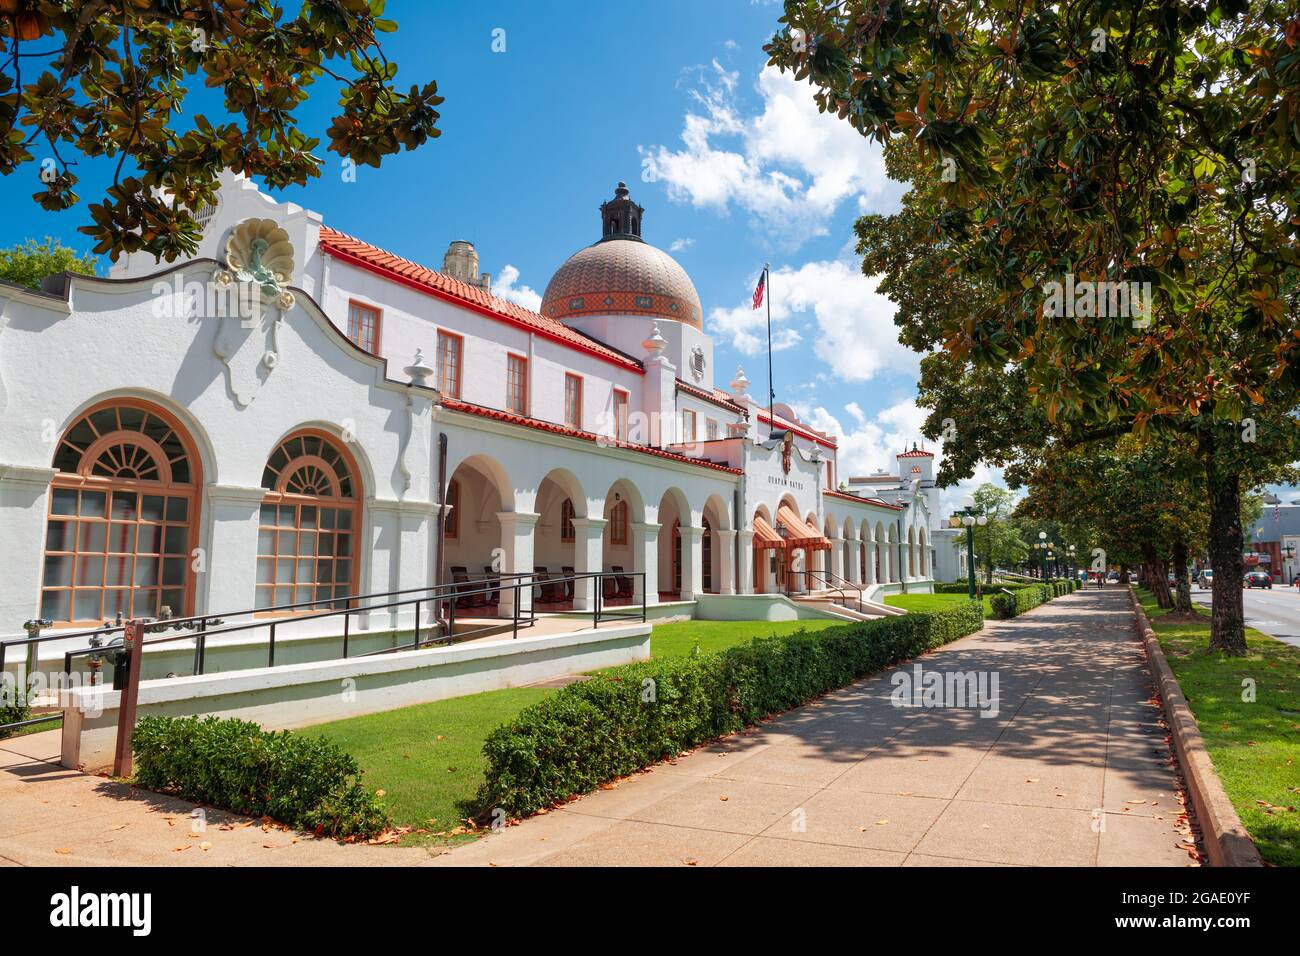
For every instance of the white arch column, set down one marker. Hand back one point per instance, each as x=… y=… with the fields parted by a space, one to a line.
x=588 y=545
x=692 y=567
x=837 y=558
x=869 y=543
x=726 y=583
x=24 y=506
x=516 y=556
x=745 y=564
x=645 y=559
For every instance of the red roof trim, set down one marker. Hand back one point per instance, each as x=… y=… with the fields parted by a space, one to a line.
x=539 y=425
x=706 y=396
x=373 y=259
x=863 y=501
x=917 y=454
x=801 y=432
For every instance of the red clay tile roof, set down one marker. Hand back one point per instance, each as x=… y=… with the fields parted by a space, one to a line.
x=863 y=501
x=366 y=256
x=716 y=397
x=917 y=454
x=801 y=430
x=497 y=414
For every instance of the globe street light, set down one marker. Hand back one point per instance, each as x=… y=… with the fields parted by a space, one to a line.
x=971 y=516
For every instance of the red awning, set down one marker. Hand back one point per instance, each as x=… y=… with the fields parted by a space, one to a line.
x=798 y=533
x=764 y=534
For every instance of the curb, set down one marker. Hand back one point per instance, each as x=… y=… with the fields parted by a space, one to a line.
x=1226 y=841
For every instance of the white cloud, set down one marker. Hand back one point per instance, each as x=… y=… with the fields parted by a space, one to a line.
x=787 y=165
x=832 y=304
x=871 y=445
x=503 y=284
x=679 y=244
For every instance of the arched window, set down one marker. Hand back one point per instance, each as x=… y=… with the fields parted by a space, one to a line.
x=122 y=519
x=452 y=521
x=566 y=520
x=311 y=516
x=618 y=523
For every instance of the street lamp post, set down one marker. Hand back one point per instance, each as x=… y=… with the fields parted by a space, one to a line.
x=970 y=516
x=1045 y=549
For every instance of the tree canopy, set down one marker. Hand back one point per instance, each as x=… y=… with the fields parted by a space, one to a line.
x=93 y=78
x=1102 y=223
x=30 y=262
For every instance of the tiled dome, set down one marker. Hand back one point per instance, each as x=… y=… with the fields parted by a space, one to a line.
x=622 y=274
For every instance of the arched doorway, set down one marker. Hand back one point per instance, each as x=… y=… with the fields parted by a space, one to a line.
x=560 y=501
x=474 y=544
x=308 y=536
x=123 y=517
x=674 y=514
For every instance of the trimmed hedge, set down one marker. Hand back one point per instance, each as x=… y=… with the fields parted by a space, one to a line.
x=629 y=717
x=1024 y=599
x=961 y=587
x=306 y=782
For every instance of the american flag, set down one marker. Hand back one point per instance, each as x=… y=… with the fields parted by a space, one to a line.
x=758 y=292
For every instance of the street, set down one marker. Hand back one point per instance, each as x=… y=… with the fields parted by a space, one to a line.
x=1275 y=612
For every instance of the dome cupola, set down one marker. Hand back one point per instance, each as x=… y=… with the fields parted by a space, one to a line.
x=622 y=274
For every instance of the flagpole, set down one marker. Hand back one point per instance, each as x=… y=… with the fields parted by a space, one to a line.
x=771 y=390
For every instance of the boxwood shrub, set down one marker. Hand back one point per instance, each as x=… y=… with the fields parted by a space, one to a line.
x=961 y=587
x=627 y=718
x=1023 y=599
x=305 y=782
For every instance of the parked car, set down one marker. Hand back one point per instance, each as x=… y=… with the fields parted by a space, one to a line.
x=1205 y=577
x=1112 y=578
x=1258 y=579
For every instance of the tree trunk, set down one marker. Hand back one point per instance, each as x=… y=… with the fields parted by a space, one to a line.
x=1153 y=570
x=1183 y=594
x=1227 y=618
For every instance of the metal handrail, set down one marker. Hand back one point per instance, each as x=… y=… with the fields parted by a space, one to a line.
x=830 y=579
x=199 y=622
x=444 y=619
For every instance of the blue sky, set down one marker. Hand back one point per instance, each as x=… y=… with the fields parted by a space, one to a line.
x=732 y=161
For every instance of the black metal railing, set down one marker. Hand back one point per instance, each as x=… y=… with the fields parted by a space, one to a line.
x=842 y=586
x=444 y=604
x=448 y=601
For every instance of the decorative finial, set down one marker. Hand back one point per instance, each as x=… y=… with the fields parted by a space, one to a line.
x=419 y=371
x=656 y=344
x=739 y=384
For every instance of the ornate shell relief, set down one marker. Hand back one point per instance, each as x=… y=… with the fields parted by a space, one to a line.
x=259 y=250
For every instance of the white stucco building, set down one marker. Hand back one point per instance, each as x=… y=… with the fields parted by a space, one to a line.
x=367 y=424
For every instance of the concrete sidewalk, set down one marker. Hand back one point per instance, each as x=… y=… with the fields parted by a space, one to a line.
x=1073 y=771
x=50 y=816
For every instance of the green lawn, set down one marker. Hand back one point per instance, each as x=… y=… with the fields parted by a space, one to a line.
x=428 y=759
x=1255 y=745
x=678 y=639
x=933 y=602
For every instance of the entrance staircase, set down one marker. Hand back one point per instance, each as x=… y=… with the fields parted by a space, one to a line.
x=846 y=604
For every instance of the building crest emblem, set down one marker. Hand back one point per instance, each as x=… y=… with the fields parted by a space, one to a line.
x=787 y=451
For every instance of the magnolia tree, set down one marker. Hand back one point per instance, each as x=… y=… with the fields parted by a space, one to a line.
x=1115 y=192
x=92 y=78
